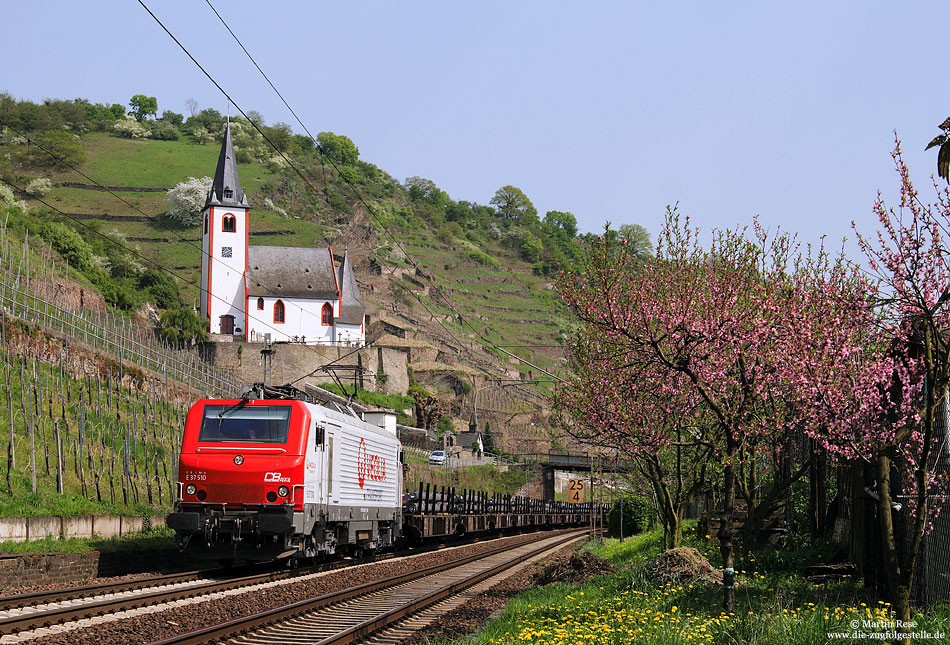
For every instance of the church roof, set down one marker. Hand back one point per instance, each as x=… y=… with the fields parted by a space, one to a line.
x=292 y=272
x=226 y=177
x=351 y=307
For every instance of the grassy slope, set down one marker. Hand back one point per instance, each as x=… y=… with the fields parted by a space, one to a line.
x=123 y=162
x=162 y=164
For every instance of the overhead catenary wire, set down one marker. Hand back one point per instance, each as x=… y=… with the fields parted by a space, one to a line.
x=150 y=261
x=368 y=208
x=371 y=211
x=157 y=220
x=152 y=218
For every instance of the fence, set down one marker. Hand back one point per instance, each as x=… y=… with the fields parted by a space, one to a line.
x=26 y=295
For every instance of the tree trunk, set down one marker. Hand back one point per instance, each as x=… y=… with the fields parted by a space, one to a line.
x=899 y=589
x=725 y=533
x=677 y=529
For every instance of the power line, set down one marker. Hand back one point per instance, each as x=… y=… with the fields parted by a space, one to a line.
x=151 y=218
x=158 y=221
x=356 y=192
x=133 y=252
x=359 y=197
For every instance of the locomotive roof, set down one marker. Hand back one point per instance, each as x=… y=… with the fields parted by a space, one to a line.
x=291 y=272
x=346 y=418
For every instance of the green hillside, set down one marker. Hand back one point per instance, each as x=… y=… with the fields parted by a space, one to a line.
x=466 y=275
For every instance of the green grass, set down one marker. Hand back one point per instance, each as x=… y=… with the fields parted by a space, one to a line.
x=154 y=539
x=773 y=606
x=114 y=161
x=392 y=401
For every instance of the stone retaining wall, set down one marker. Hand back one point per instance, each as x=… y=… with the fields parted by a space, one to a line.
x=20 y=529
x=34 y=569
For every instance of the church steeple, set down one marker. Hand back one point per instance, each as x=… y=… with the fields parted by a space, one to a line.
x=226 y=188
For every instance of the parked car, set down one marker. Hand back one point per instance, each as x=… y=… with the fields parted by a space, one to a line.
x=437 y=458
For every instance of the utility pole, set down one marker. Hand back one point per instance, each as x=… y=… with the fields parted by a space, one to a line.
x=266 y=357
x=590 y=463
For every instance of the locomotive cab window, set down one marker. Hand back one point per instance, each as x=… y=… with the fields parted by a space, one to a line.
x=255 y=424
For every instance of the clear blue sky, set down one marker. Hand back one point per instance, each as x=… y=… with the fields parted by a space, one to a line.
x=610 y=110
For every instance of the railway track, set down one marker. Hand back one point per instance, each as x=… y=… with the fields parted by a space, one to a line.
x=351 y=614
x=41 y=609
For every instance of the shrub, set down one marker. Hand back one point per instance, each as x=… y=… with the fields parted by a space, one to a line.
x=181 y=327
x=444 y=425
x=200 y=134
x=163 y=131
x=483 y=258
x=444 y=235
x=69 y=244
x=638 y=516
x=119 y=294
x=59 y=149
x=130 y=128
x=161 y=287
x=7 y=198
x=187 y=199
x=39 y=187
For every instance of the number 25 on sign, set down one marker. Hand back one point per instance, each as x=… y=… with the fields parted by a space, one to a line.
x=575 y=491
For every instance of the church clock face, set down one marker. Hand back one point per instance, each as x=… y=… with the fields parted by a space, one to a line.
x=226 y=252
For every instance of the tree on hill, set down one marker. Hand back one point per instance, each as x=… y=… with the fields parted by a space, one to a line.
x=514 y=205
x=637 y=239
x=340 y=148
x=187 y=199
x=181 y=327
x=562 y=220
x=58 y=149
x=173 y=118
x=143 y=106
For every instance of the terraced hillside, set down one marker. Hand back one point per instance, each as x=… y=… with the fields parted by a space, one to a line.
x=474 y=282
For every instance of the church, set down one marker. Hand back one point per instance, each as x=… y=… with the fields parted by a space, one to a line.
x=289 y=294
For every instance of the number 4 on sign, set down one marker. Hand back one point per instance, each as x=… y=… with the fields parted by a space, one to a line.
x=575 y=491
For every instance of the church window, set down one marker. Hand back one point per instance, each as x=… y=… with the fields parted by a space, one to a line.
x=228 y=193
x=327 y=315
x=206 y=224
x=279 y=311
x=226 y=252
x=260 y=303
x=229 y=224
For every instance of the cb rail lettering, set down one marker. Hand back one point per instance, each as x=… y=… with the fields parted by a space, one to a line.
x=367 y=465
x=275 y=477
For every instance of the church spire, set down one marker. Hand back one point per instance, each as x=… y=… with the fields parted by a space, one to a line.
x=226 y=188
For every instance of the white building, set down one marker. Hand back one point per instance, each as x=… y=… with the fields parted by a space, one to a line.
x=294 y=294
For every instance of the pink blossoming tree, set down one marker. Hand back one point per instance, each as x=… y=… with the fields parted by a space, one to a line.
x=690 y=333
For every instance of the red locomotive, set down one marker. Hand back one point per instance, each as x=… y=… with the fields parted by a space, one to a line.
x=261 y=479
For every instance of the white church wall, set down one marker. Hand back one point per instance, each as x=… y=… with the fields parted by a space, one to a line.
x=301 y=319
x=349 y=334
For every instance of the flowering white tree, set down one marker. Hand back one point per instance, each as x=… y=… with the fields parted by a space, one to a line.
x=39 y=187
x=130 y=128
x=187 y=199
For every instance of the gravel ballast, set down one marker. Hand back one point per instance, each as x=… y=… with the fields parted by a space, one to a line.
x=147 y=627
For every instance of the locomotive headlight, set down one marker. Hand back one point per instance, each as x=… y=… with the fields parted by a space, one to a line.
x=238 y=460
x=283 y=491
x=190 y=489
